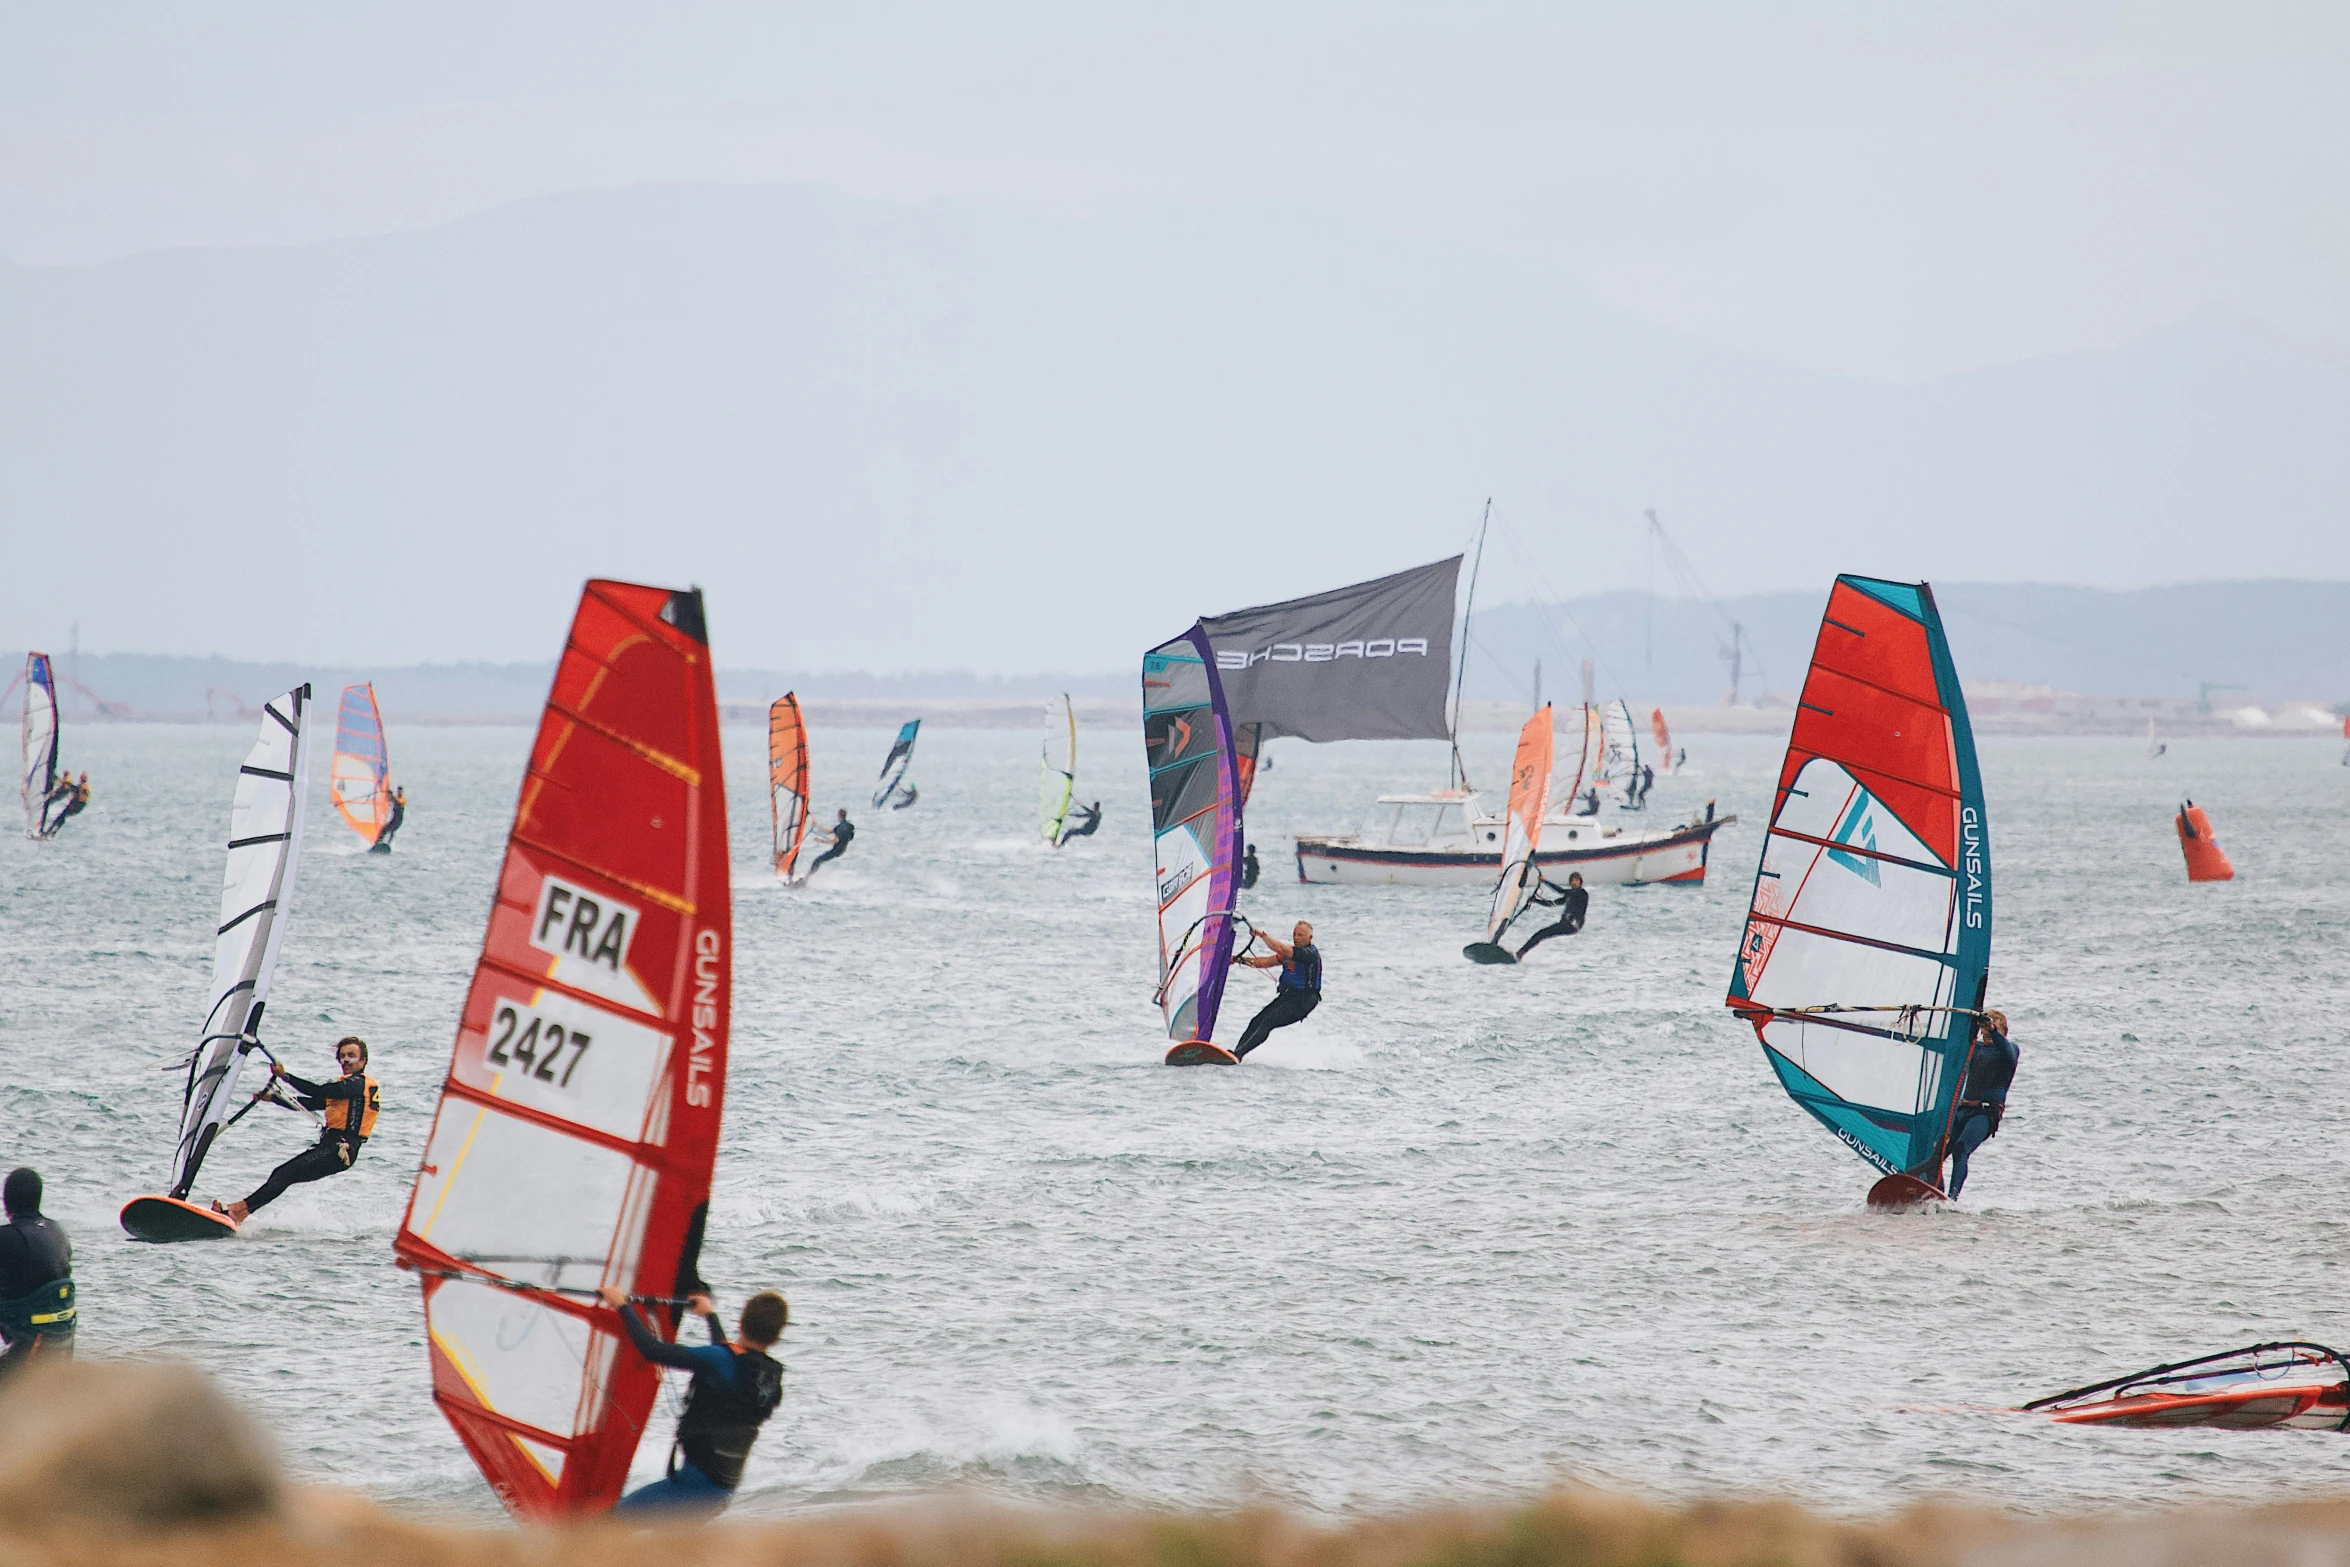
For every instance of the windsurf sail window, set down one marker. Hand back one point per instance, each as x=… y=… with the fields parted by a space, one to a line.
x=256 y=899
x=1522 y=830
x=40 y=746
x=1195 y=827
x=361 y=780
x=1664 y=739
x=895 y=766
x=787 y=781
x=1619 y=755
x=1057 y=784
x=579 y=1120
x=1868 y=939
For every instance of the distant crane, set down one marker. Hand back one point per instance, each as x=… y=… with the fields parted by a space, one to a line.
x=1740 y=646
x=213 y=694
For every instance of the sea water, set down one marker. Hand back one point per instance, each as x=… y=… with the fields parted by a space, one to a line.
x=1467 y=1232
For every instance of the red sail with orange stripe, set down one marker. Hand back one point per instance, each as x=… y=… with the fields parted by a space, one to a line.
x=577 y=1126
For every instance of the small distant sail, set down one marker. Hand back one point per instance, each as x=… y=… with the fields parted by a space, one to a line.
x=578 y=1123
x=2346 y=736
x=40 y=746
x=1247 y=741
x=360 y=783
x=895 y=766
x=1057 y=784
x=1195 y=827
x=1619 y=759
x=1522 y=832
x=2205 y=862
x=256 y=899
x=1868 y=941
x=1664 y=739
x=787 y=781
x=1586 y=754
x=2154 y=747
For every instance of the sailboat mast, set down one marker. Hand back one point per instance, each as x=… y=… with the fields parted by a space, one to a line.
x=1460 y=774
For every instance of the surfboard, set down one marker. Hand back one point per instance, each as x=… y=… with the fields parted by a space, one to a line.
x=169 y=1219
x=1198 y=1052
x=1488 y=952
x=1903 y=1191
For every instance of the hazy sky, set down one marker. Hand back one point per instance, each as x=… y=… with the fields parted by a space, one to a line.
x=1895 y=190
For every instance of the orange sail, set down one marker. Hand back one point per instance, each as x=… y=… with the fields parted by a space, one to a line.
x=1522 y=832
x=787 y=781
x=2205 y=862
x=578 y=1123
x=1664 y=739
x=361 y=783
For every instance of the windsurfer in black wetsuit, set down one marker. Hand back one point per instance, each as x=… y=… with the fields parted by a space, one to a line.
x=843 y=830
x=1088 y=820
x=1588 y=805
x=1250 y=870
x=907 y=795
x=1982 y=1098
x=383 y=837
x=36 y=1279
x=1573 y=904
x=735 y=1388
x=349 y=1105
x=1295 y=994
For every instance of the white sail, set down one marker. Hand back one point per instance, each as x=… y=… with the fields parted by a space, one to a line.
x=40 y=743
x=1059 y=779
x=264 y=850
x=1619 y=762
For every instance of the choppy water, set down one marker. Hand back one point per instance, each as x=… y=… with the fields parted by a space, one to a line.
x=1466 y=1232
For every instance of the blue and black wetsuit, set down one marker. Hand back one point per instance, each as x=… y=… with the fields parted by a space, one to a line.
x=735 y=1389
x=36 y=1288
x=1082 y=822
x=1982 y=1100
x=1573 y=904
x=1294 y=998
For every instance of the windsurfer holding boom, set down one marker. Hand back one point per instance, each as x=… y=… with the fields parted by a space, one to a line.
x=843 y=830
x=735 y=1388
x=1573 y=904
x=349 y=1104
x=1295 y=995
x=1982 y=1098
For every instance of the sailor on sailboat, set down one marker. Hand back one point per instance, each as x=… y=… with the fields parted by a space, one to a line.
x=1867 y=948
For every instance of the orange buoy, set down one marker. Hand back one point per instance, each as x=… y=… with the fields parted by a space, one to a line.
x=2204 y=860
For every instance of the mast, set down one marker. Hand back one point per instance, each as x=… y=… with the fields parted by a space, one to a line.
x=1460 y=774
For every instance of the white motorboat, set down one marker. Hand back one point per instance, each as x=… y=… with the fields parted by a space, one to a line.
x=1448 y=837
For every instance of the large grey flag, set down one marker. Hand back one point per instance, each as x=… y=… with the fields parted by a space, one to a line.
x=1370 y=662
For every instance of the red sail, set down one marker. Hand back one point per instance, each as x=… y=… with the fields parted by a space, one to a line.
x=577 y=1126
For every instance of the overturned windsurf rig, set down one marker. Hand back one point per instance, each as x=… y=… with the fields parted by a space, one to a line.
x=2292 y=1384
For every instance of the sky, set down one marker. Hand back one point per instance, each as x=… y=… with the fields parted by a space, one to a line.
x=1887 y=190
x=1744 y=220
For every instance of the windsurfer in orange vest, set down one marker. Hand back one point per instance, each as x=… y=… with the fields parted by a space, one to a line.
x=349 y=1104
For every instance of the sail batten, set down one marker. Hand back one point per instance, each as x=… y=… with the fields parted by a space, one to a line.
x=1872 y=899
x=578 y=1123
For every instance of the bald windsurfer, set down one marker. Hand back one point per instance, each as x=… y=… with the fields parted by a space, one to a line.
x=36 y=1278
x=843 y=830
x=1295 y=994
x=1083 y=822
x=1573 y=904
x=383 y=836
x=348 y=1104
x=736 y=1386
x=1982 y=1098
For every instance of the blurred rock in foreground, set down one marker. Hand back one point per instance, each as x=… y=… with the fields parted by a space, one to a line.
x=132 y=1465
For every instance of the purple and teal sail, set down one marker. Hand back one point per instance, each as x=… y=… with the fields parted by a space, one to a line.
x=1195 y=828
x=1868 y=943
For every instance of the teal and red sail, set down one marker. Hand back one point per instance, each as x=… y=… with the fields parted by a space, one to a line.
x=1868 y=942
x=1195 y=827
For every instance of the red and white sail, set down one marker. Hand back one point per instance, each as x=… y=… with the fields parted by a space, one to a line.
x=1664 y=739
x=1522 y=829
x=577 y=1126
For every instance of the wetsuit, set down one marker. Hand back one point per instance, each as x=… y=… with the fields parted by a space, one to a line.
x=841 y=834
x=383 y=838
x=1982 y=1100
x=36 y=1291
x=349 y=1104
x=1294 y=998
x=1249 y=869
x=1092 y=818
x=1573 y=904
x=735 y=1389
x=907 y=795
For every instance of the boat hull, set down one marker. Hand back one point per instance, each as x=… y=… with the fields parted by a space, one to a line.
x=1677 y=858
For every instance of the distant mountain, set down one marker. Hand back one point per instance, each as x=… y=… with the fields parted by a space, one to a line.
x=933 y=436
